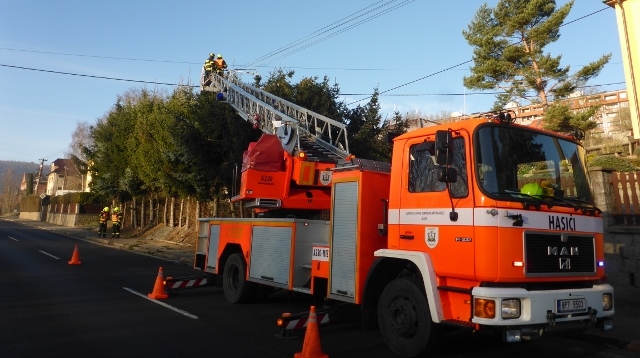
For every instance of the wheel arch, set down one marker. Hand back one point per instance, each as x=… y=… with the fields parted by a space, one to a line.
x=391 y=264
x=229 y=250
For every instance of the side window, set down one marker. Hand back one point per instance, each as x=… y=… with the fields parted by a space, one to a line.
x=424 y=173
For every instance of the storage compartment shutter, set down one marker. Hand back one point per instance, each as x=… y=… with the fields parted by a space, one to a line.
x=343 y=250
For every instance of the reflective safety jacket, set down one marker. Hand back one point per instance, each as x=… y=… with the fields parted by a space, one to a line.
x=116 y=218
x=104 y=217
x=220 y=63
x=209 y=64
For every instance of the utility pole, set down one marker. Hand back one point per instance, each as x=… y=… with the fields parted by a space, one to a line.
x=35 y=189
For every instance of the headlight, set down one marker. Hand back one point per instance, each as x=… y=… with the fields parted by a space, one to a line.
x=510 y=308
x=607 y=301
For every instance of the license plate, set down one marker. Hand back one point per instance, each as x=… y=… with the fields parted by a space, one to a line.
x=572 y=305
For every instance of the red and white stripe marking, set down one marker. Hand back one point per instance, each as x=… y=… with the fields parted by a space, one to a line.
x=195 y=282
x=299 y=323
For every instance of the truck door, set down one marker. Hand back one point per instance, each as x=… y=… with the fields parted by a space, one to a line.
x=426 y=205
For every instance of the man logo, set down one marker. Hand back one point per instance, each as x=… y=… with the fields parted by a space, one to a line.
x=565 y=263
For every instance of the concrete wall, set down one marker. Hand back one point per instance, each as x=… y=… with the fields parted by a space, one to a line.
x=72 y=220
x=621 y=243
x=30 y=215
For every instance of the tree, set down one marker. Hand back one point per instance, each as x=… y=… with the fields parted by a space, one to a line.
x=560 y=118
x=365 y=132
x=80 y=140
x=622 y=122
x=278 y=84
x=319 y=97
x=390 y=129
x=509 y=42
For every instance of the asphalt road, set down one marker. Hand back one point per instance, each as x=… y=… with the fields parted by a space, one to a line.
x=100 y=308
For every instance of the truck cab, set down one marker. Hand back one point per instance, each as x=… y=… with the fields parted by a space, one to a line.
x=496 y=223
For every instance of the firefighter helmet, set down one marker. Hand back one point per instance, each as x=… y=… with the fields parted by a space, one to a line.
x=533 y=189
x=116 y=210
x=106 y=209
x=219 y=56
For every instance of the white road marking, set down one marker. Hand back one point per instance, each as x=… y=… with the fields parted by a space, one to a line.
x=48 y=254
x=13 y=238
x=162 y=304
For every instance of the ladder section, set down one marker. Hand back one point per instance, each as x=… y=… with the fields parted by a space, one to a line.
x=274 y=115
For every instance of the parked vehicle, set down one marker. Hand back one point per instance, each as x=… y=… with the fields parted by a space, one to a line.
x=481 y=224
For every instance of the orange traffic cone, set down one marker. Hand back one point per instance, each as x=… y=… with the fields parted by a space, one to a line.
x=311 y=346
x=75 y=258
x=158 y=288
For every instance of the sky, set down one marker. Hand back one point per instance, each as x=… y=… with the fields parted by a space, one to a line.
x=66 y=62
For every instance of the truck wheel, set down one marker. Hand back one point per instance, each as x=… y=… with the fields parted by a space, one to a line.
x=404 y=317
x=234 y=283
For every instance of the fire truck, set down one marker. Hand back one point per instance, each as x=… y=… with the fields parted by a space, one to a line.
x=481 y=224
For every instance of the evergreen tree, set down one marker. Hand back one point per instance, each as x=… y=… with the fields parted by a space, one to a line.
x=111 y=152
x=318 y=97
x=224 y=136
x=509 y=42
x=279 y=85
x=390 y=129
x=365 y=132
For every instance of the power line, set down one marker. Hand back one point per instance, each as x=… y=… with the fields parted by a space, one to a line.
x=460 y=64
x=340 y=94
x=299 y=42
x=459 y=94
x=302 y=39
x=92 y=76
x=342 y=30
x=95 y=56
x=354 y=25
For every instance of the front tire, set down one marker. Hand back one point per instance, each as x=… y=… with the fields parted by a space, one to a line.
x=235 y=286
x=404 y=317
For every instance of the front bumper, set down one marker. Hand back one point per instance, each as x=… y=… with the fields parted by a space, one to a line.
x=539 y=310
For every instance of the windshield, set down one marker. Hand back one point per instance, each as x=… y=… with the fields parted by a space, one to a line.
x=509 y=158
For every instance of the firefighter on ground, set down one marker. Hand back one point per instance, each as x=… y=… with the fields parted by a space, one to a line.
x=116 y=221
x=209 y=65
x=104 y=218
x=220 y=65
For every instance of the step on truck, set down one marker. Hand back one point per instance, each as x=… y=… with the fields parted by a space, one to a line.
x=481 y=224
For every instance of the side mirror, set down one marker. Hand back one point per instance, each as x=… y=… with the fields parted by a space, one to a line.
x=444 y=147
x=448 y=175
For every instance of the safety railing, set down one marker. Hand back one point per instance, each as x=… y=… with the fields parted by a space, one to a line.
x=268 y=112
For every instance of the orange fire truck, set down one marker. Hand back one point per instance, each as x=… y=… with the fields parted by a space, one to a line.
x=481 y=224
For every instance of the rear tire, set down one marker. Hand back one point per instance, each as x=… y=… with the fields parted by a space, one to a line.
x=404 y=317
x=235 y=286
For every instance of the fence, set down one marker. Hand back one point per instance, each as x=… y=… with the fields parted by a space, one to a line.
x=626 y=187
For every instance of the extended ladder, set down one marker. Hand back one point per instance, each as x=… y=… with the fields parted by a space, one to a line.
x=274 y=115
